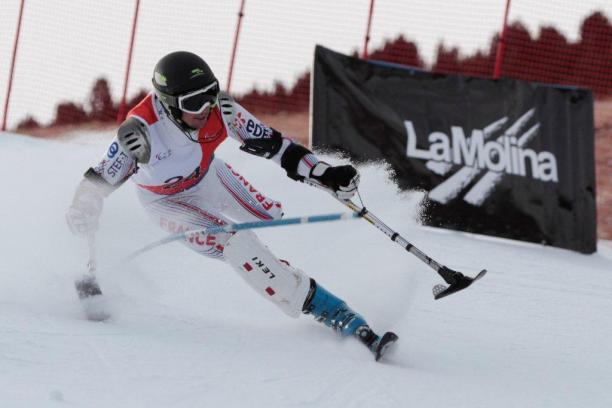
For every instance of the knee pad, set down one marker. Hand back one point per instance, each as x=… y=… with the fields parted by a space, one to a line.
x=285 y=286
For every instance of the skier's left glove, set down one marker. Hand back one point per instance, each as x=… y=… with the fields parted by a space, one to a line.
x=342 y=180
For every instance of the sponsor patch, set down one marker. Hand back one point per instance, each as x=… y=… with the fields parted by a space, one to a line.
x=117 y=165
x=163 y=155
x=239 y=122
x=101 y=166
x=112 y=150
x=257 y=130
x=263 y=268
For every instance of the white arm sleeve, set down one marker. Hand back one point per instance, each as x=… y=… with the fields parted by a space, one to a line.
x=116 y=165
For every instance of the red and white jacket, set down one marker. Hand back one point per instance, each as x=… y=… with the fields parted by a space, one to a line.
x=177 y=163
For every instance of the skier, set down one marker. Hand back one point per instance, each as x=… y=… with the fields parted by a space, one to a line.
x=166 y=146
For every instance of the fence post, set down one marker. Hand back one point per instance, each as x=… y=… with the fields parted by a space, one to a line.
x=501 y=44
x=236 y=35
x=122 y=111
x=11 y=72
x=368 y=28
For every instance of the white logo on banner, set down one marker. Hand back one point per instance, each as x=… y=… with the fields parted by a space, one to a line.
x=481 y=151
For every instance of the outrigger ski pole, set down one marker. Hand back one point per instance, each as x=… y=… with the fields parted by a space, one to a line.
x=456 y=280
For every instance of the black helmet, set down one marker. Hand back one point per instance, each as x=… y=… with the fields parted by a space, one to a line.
x=179 y=74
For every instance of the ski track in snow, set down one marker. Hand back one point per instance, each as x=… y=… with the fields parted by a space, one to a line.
x=186 y=331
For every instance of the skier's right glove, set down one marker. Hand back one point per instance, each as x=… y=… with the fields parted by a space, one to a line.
x=83 y=215
x=343 y=181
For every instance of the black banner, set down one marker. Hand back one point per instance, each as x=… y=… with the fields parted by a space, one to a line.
x=505 y=158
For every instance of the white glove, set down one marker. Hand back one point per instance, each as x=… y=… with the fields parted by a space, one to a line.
x=343 y=181
x=83 y=215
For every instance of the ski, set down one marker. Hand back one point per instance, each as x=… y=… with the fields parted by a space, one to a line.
x=87 y=287
x=457 y=283
x=89 y=292
x=91 y=298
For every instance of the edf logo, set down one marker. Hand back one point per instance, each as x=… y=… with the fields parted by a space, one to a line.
x=257 y=130
x=112 y=150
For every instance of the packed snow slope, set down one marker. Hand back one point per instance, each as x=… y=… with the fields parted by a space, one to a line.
x=186 y=331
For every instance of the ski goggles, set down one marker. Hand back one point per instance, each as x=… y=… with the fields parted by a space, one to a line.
x=194 y=102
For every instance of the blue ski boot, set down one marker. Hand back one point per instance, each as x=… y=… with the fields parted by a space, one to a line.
x=335 y=313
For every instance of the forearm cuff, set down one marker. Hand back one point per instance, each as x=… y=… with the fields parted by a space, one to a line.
x=292 y=156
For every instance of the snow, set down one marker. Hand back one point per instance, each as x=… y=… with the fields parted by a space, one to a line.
x=186 y=331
